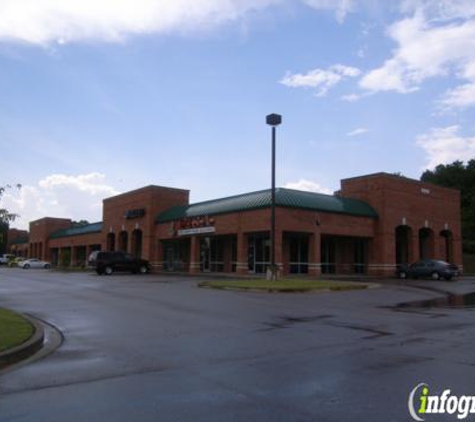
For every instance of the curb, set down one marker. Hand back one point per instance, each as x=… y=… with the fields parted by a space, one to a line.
x=27 y=348
x=291 y=290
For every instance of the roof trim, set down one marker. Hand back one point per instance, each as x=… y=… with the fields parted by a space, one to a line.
x=285 y=198
x=19 y=241
x=144 y=188
x=77 y=230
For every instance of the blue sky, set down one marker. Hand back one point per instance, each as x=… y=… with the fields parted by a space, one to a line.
x=100 y=97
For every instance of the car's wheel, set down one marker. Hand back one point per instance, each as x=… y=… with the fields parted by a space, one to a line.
x=108 y=270
x=402 y=275
x=47 y=266
x=143 y=269
x=26 y=266
x=99 y=272
x=435 y=276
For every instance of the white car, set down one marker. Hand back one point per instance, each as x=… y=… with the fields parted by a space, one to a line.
x=33 y=263
x=5 y=258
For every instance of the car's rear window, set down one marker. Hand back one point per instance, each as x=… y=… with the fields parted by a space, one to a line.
x=93 y=256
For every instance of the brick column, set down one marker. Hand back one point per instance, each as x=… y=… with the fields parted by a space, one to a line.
x=279 y=253
x=383 y=255
x=227 y=255
x=129 y=243
x=60 y=257
x=194 y=255
x=314 y=255
x=158 y=258
x=73 y=262
x=414 y=249
x=285 y=256
x=242 y=266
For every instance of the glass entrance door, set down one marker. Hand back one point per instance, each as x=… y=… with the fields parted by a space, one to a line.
x=169 y=258
x=258 y=253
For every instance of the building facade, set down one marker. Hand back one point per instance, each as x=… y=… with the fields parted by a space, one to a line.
x=369 y=226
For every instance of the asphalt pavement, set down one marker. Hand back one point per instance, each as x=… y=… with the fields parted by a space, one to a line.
x=157 y=348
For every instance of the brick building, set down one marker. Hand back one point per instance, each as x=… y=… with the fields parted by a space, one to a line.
x=17 y=242
x=372 y=224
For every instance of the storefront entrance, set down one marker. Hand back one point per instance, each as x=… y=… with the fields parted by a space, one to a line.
x=298 y=253
x=258 y=253
x=344 y=255
x=176 y=255
x=212 y=254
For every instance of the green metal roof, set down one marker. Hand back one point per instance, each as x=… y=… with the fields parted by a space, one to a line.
x=77 y=230
x=262 y=199
x=19 y=241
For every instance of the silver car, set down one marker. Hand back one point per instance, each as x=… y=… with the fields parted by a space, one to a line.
x=34 y=263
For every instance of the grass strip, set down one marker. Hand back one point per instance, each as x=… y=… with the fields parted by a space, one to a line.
x=14 y=329
x=293 y=285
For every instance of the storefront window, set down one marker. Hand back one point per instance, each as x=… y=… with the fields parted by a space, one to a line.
x=298 y=248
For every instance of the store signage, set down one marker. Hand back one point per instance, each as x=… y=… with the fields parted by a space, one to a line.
x=197 y=230
x=137 y=213
x=194 y=225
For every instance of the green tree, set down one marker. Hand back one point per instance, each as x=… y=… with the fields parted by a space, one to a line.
x=6 y=217
x=459 y=176
x=80 y=223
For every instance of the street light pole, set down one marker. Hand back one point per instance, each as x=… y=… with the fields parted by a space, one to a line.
x=273 y=120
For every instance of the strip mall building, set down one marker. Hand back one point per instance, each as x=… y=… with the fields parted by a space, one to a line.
x=368 y=227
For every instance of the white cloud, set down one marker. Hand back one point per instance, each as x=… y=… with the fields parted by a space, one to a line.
x=445 y=145
x=438 y=40
x=357 y=131
x=307 y=185
x=321 y=80
x=58 y=195
x=341 y=7
x=62 y=21
x=440 y=10
x=462 y=96
x=350 y=97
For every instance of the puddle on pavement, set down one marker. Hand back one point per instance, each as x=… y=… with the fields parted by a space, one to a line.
x=288 y=321
x=449 y=301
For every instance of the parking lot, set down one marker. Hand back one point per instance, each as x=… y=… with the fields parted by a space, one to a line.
x=149 y=348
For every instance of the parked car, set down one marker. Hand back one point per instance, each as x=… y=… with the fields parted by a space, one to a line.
x=33 y=263
x=109 y=262
x=5 y=258
x=425 y=268
x=14 y=262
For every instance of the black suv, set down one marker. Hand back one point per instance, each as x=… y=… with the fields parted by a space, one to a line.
x=433 y=268
x=108 y=262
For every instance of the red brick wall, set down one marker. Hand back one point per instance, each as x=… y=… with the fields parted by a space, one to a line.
x=402 y=201
x=154 y=199
x=39 y=233
x=15 y=234
x=397 y=200
x=287 y=220
x=81 y=240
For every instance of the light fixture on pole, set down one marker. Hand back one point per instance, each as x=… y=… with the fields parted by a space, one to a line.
x=273 y=120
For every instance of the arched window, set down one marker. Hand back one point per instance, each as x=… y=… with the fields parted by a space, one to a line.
x=111 y=242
